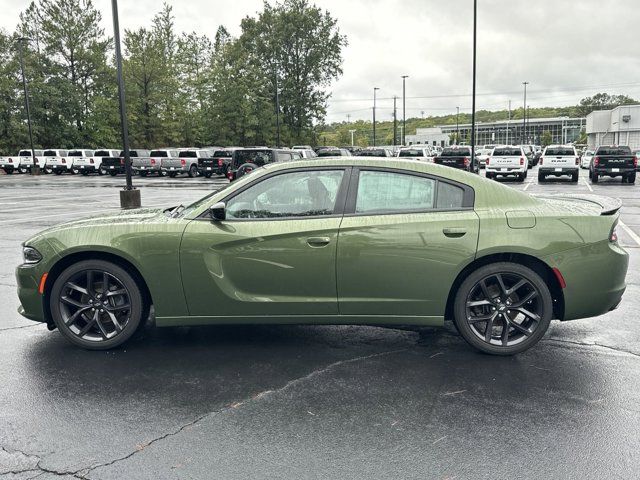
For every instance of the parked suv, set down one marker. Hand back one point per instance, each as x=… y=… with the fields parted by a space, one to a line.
x=246 y=160
x=334 y=152
x=559 y=160
x=73 y=157
x=87 y=165
x=507 y=161
x=115 y=165
x=53 y=157
x=614 y=161
x=185 y=162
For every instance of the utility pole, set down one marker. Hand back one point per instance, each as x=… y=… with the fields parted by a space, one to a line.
x=395 y=121
x=508 y=124
x=473 y=90
x=129 y=196
x=422 y=114
x=348 y=118
x=35 y=168
x=352 y=132
x=404 y=109
x=375 y=89
x=457 y=125
x=524 y=113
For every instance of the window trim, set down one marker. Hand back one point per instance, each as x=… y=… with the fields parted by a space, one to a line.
x=468 y=196
x=338 y=210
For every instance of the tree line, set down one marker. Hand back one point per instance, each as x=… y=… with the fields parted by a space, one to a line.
x=182 y=89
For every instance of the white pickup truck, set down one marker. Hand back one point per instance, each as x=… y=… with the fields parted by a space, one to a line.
x=23 y=161
x=507 y=161
x=559 y=160
x=87 y=165
x=185 y=162
x=417 y=152
x=69 y=164
x=53 y=157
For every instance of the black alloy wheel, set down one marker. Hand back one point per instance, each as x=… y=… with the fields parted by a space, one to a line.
x=503 y=308
x=96 y=304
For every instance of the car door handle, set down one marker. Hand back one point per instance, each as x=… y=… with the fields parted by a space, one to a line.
x=454 y=232
x=317 y=242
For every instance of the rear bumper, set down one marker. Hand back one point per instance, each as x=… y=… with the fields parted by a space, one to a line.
x=584 y=297
x=146 y=168
x=213 y=169
x=172 y=169
x=506 y=170
x=559 y=170
x=63 y=168
x=86 y=168
x=609 y=172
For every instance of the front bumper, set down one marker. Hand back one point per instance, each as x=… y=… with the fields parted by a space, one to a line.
x=28 y=279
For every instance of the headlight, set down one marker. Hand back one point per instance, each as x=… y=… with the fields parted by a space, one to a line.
x=31 y=255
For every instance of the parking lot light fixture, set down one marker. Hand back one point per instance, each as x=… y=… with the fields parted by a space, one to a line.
x=457 y=124
x=129 y=196
x=375 y=89
x=35 y=168
x=524 y=113
x=473 y=89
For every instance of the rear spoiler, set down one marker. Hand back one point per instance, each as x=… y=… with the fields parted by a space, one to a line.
x=608 y=205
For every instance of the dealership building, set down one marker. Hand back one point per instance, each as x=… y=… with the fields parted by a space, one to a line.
x=619 y=126
x=562 y=129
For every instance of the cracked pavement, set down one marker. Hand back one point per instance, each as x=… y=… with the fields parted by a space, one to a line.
x=309 y=401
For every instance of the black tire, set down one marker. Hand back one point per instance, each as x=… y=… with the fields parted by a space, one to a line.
x=541 y=177
x=526 y=330
x=489 y=175
x=172 y=174
x=193 y=171
x=142 y=174
x=521 y=177
x=101 y=171
x=631 y=178
x=113 y=174
x=58 y=172
x=8 y=171
x=99 y=324
x=207 y=175
x=594 y=177
x=84 y=172
x=574 y=177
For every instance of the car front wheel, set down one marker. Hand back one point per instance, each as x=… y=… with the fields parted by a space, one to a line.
x=503 y=308
x=96 y=304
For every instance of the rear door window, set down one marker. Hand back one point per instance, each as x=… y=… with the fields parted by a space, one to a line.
x=380 y=192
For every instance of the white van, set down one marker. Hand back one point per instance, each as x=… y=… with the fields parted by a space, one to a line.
x=507 y=161
x=559 y=160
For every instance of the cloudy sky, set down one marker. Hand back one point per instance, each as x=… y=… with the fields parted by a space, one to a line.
x=566 y=49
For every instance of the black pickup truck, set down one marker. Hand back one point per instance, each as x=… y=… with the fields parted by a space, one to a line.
x=613 y=161
x=458 y=157
x=115 y=165
x=218 y=163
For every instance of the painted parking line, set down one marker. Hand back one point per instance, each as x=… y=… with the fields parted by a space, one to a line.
x=587 y=184
x=527 y=185
x=630 y=232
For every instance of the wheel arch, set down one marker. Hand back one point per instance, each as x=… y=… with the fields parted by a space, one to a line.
x=75 y=257
x=535 y=264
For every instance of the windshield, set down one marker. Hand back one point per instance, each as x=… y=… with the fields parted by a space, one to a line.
x=614 y=151
x=455 y=152
x=507 y=152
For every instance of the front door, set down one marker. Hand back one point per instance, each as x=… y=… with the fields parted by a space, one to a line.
x=402 y=242
x=274 y=254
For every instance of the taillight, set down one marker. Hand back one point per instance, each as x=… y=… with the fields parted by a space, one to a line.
x=596 y=161
x=577 y=161
x=91 y=161
x=183 y=162
x=487 y=161
x=466 y=161
x=64 y=160
x=220 y=162
x=613 y=236
x=635 y=162
x=153 y=161
x=11 y=160
x=122 y=161
x=230 y=175
x=521 y=160
x=541 y=160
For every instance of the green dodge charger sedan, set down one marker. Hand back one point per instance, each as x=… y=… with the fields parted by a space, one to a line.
x=334 y=241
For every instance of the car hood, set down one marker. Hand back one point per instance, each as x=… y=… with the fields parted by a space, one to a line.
x=134 y=216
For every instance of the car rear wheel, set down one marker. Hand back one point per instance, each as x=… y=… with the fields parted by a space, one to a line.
x=574 y=177
x=503 y=308
x=172 y=174
x=113 y=174
x=631 y=178
x=96 y=304
x=594 y=177
x=58 y=172
x=193 y=171
x=541 y=177
x=142 y=174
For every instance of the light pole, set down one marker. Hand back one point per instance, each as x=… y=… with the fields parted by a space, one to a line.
x=129 y=196
x=375 y=89
x=508 y=124
x=275 y=73
x=35 y=168
x=404 y=109
x=395 y=121
x=524 y=113
x=352 y=132
x=457 y=124
x=473 y=90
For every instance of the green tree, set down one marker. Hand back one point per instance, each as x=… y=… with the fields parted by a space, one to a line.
x=546 y=138
x=603 y=101
x=301 y=46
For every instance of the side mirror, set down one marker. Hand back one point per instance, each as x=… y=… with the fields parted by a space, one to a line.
x=217 y=211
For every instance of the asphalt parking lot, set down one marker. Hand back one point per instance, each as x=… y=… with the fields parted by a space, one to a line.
x=306 y=401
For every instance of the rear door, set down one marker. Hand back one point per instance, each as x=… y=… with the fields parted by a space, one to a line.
x=560 y=158
x=507 y=158
x=403 y=240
